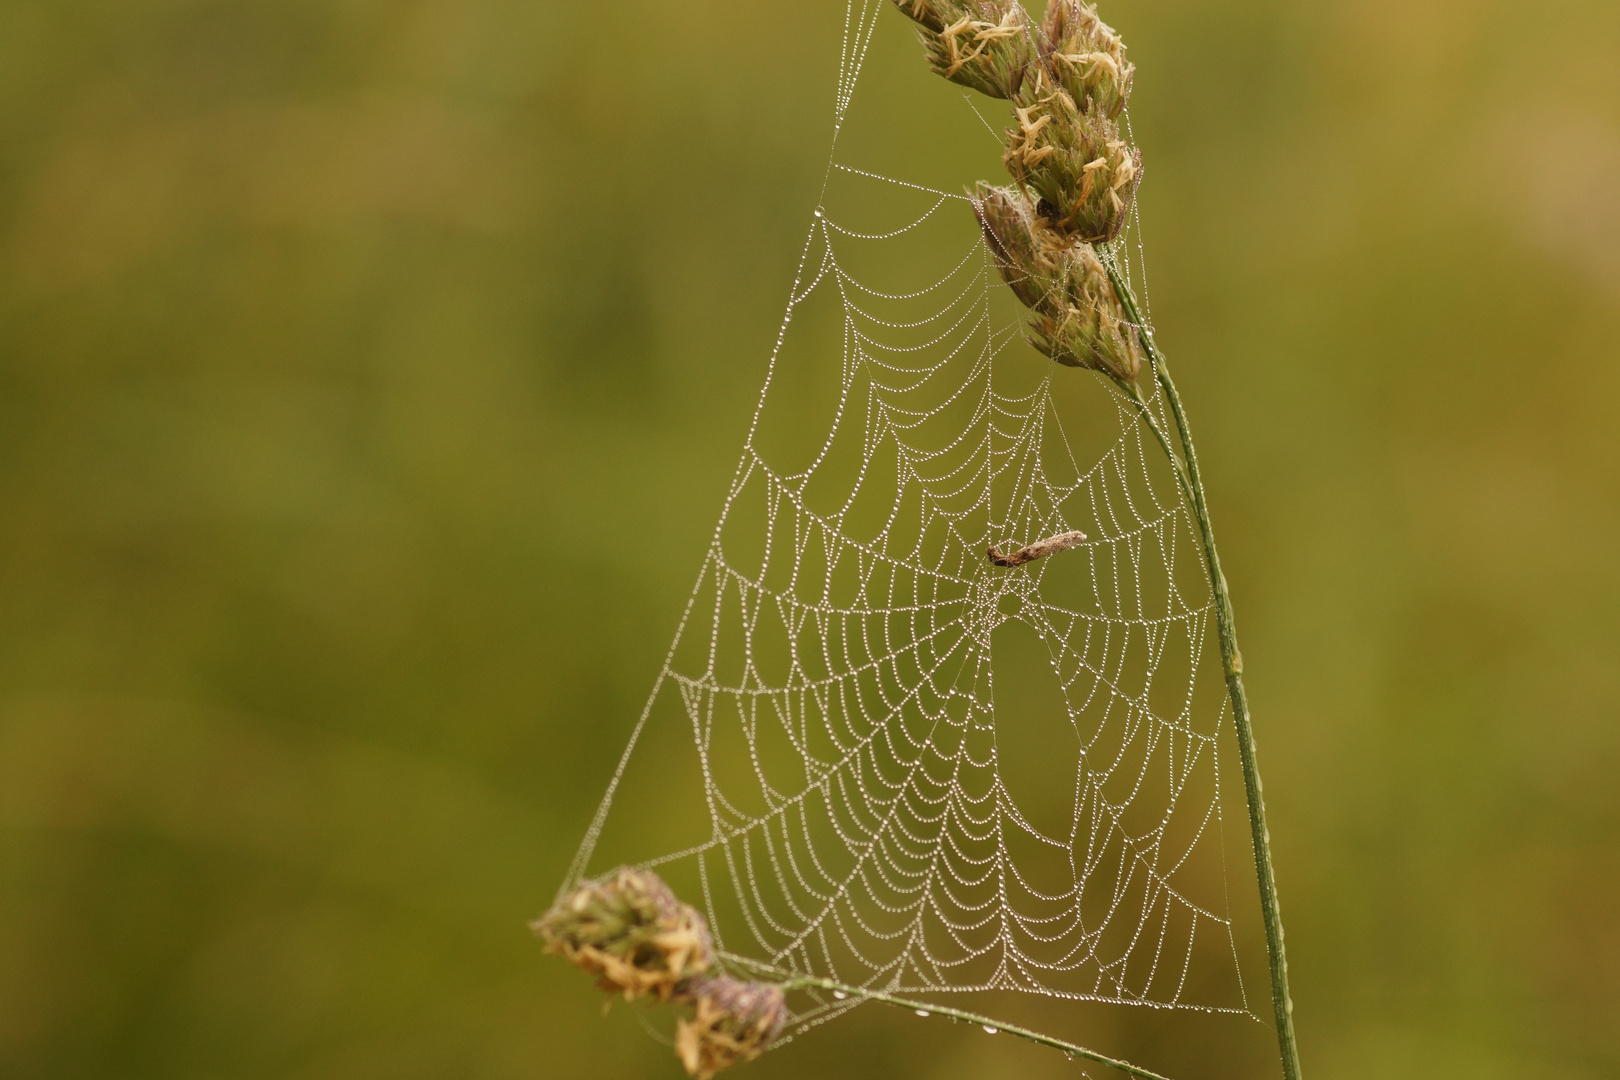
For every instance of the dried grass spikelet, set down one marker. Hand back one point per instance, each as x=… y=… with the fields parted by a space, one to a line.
x=1091 y=330
x=1086 y=57
x=629 y=930
x=1027 y=252
x=1084 y=173
x=984 y=45
x=1078 y=317
x=733 y=1021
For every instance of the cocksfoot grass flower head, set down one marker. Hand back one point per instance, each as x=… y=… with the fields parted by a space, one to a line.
x=1079 y=319
x=1027 y=252
x=1075 y=161
x=629 y=930
x=1086 y=326
x=984 y=45
x=1086 y=57
x=733 y=1021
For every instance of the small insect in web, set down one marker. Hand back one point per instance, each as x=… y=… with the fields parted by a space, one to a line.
x=1038 y=550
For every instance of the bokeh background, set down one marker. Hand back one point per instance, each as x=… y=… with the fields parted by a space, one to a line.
x=371 y=374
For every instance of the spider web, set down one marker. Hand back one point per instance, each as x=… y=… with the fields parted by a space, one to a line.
x=872 y=756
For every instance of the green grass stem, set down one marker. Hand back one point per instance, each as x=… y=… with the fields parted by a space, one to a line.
x=1191 y=479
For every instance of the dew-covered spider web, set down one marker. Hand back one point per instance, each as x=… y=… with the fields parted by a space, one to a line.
x=871 y=756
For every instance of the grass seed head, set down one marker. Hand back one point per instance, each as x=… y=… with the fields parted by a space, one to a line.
x=984 y=45
x=1027 y=251
x=733 y=1021
x=1088 y=328
x=1076 y=162
x=1086 y=57
x=630 y=931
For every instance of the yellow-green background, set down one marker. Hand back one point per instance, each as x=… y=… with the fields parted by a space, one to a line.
x=370 y=376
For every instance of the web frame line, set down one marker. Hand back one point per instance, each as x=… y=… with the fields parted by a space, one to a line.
x=927 y=1008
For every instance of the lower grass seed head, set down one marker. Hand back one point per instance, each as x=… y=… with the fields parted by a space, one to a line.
x=629 y=930
x=733 y=1021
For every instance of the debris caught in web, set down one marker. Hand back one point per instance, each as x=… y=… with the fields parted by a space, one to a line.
x=1038 y=550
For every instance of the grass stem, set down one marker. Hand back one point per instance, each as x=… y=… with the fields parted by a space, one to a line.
x=1232 y=662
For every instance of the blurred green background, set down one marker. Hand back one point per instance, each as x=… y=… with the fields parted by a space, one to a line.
x=336 y=339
